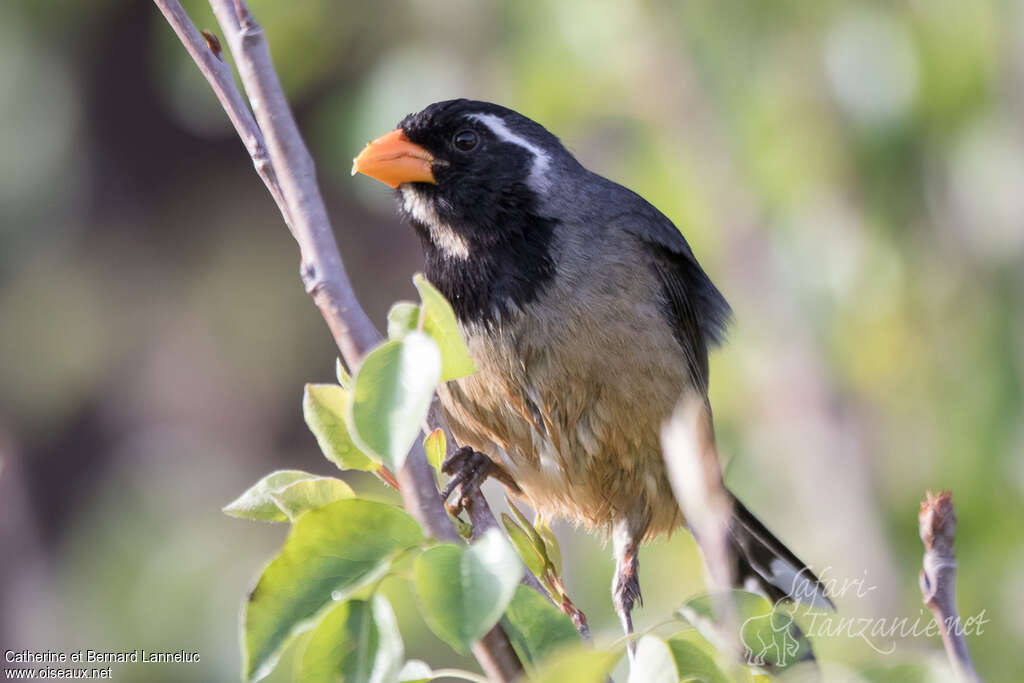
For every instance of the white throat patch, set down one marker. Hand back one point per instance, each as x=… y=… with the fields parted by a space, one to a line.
x=541 y=160
x=447 y=240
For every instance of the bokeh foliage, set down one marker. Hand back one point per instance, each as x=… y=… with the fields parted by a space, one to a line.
x=847 y=172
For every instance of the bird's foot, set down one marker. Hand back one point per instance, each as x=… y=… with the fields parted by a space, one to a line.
x=468 y=470
x=626 y=593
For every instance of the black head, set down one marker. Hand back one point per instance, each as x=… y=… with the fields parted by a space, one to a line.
x=472 y=181
x=483 y=151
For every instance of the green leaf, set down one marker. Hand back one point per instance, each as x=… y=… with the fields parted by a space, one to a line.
x=391 y=395
x=551 y=547
x=257 y=503
x=284 y=495
x=436 y=318
x=403 y=318
x=463 y=591
x=653 y=662
x=525 y=524
x=695 y=658
x=576 y=664
x=462 y=528
x=324 y=406
x=415 y=671
x=436 y=446
x=357 y=642
x=524 y=544
x=535 y=626
x=769 y=635
x=330 y=553
x=439 y=322
x=310 y=494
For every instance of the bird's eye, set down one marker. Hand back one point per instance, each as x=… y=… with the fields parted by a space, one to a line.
x=465 y=140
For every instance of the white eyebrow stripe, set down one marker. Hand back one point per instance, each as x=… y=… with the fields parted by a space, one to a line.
x=541 y=159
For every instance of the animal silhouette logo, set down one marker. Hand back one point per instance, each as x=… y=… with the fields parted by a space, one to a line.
x=770 y=640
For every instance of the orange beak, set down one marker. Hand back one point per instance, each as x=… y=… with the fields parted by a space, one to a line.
x=393 y=160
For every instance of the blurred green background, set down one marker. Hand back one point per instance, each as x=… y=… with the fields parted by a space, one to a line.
x=851 y=175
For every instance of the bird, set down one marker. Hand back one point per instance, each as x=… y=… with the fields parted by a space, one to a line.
x=587 y=315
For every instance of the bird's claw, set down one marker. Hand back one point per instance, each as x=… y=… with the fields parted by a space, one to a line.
x=469 y=469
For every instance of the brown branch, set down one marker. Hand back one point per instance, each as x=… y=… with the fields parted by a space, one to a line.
x=419 y=485
x=286 y=166
x=494 y=651
x=322 y=270
x=937 y=525
x=222 y=81
x=481 y=520
x=495 y=643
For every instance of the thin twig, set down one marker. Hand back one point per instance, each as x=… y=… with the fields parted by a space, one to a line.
x=287 y=168
x=419 y=485
x=481 y=519
x=222 y=81
x=937 y=524
x=322 y=270
x=495 y=643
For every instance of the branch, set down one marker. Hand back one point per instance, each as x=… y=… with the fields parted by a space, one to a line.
x=937 y=524
x=207 y=57
x=481 y=519
x=287 y=168
x=322 y=270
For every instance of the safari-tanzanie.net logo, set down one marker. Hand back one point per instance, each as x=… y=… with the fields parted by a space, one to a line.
x=775 y=639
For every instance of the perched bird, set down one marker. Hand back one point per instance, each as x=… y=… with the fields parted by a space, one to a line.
x=587 y=315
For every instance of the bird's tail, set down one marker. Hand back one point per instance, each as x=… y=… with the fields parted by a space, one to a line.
x=762 y=560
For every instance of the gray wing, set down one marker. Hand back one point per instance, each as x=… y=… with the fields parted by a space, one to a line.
x=697 y=311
